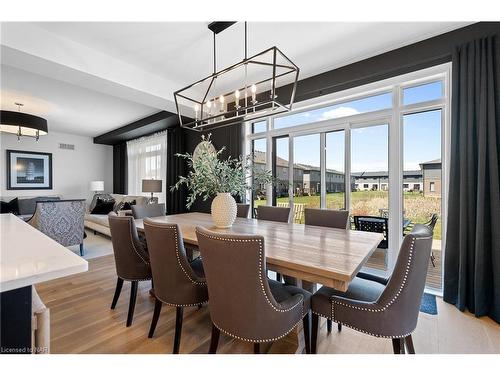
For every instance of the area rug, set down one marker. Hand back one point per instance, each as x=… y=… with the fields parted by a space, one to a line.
x=95 y=246
x=428 y=304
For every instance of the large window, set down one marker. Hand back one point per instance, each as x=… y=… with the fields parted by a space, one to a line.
x=146 y=160
x=377 y=150
x=335 y=170
x=344 y=109
x=307 y=173
x=259 y=192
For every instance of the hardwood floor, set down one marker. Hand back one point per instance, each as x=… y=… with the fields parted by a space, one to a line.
x=82 y=322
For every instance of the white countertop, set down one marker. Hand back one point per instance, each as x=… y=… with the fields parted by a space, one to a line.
x=27 y=256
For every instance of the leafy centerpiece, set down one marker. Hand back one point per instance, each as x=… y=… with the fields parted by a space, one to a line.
x=212 y=176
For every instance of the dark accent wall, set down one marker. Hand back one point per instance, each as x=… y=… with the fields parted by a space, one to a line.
x=230 y=137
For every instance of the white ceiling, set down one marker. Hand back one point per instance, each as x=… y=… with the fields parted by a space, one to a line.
x=100 y=76
x=67 y=108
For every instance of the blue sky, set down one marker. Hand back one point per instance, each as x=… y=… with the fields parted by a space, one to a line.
x=369 y=145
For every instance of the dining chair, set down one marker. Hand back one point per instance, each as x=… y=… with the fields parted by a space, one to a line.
x=389 y=311
x=271 y=213
x=332 y=219
x=279 y=214
x=242 y=210
x=131 y=259
x=244 y=304
x=148 y=210
x=327 y=218
x=176 y=281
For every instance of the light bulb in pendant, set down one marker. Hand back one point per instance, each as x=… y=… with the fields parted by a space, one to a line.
x=237 y=98
x=221 y=100
x=196 y=110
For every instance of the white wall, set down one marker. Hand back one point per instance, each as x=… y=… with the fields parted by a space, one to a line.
x=72 y=170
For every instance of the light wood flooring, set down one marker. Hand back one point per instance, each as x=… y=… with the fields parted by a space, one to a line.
x=81 y=322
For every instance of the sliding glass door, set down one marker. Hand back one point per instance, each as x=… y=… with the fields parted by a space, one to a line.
x=422 y=181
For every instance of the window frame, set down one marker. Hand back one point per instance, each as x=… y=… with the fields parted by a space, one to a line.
x=392 y=116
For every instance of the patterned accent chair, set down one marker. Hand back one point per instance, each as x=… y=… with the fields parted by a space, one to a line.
x=61 y=220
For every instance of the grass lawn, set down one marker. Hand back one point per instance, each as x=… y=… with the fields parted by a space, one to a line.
x=417 y=207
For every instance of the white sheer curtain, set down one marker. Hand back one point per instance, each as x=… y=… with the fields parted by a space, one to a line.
x=147 y=159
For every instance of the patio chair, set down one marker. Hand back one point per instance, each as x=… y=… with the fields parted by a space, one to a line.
x=374 y=224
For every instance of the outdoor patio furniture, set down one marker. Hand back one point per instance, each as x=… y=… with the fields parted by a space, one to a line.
x=373 y=224
x=298 y=210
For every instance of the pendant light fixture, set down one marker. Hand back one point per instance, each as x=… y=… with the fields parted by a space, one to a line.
x=258 y=86
x=22 y=124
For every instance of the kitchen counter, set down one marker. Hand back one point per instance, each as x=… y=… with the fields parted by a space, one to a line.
x=27 y=257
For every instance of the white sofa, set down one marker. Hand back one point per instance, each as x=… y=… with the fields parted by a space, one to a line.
x=99 y=223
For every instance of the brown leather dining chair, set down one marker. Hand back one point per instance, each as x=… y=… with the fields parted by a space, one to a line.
x=148 y=210
x=131 y=259
x=379 y=310
x=332 y=219
x=271 y=213
x=177 y=282
x=244 y=304
x=326 y=218
x=242 y=210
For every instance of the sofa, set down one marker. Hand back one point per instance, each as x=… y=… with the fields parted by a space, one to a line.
x=26 y=205
x=99 y=222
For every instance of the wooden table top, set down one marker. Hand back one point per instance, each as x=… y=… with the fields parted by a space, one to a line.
x=327 y=256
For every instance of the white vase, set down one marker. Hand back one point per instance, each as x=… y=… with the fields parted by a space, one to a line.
x=224 y=210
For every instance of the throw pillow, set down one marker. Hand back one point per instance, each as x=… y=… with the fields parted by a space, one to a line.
x=123 y=206
x=103 y=196
x=11 y=207
x=103 y=207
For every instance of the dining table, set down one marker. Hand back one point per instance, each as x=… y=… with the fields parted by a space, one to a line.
x=310 y=254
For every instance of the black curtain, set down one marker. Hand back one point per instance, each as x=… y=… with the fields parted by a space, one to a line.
x=176 y=143
x=472 y=262
x=120 y=168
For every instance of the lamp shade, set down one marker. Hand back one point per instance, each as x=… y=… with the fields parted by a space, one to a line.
x=96 y=185
x=151 y=186
x=22 y=124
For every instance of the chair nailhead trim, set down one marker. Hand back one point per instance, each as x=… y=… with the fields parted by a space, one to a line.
x=174 y=228
x=360 y=330
x=383 y=308
x=260 y=268
x=136 y=279
x=133 y=242
x=262 y=289
x=257 y=340
x=181 y=305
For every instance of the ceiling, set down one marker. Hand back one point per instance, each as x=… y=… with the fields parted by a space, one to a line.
x=67 y=108
x=183 y=51
x=90 y=78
